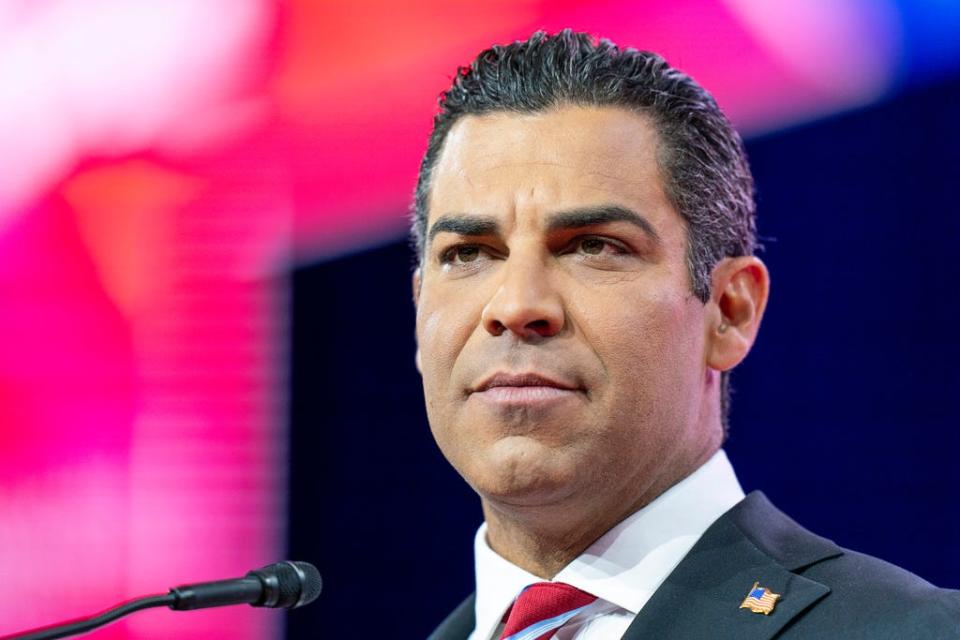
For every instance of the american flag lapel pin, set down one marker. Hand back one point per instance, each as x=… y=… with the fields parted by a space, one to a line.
x=760 y=600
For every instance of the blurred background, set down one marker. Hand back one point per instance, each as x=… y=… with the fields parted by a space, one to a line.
x=206 y=328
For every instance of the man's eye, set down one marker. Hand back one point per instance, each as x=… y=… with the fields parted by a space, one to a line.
x=460 y=254
x=593 y=246
x=597 y=246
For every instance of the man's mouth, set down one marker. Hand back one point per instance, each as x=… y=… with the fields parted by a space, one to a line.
x=524 y=388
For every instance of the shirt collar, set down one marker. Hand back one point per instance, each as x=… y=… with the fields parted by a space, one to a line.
x=630 y=561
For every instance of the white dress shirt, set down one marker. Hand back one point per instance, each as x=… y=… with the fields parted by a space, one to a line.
x=624 y=566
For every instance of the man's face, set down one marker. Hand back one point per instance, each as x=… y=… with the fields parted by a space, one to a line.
x=561 y=348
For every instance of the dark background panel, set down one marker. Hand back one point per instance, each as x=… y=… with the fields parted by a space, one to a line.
x=845 y=414
x=373 y=503
x=854 y=381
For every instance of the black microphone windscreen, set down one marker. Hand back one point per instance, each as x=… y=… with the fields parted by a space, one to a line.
x=288 y=584
x=311 y=584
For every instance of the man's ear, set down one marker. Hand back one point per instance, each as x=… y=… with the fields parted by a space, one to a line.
x=740 y=288
x=416 y=301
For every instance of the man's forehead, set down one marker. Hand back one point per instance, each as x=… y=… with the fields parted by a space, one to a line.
x=585 y=154
x=559 y=134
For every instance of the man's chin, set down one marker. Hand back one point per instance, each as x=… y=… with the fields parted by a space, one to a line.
x=526 y=474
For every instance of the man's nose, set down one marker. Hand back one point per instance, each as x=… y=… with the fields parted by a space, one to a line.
x=526 y=303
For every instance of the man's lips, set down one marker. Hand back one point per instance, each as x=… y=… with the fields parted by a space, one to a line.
x=503 y=379
x=524 y=388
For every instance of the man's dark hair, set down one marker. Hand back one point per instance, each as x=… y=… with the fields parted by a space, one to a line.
x=701 y=157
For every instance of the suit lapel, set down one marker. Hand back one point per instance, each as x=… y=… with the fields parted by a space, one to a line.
x=753 y=542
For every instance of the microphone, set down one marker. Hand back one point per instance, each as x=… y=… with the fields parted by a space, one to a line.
x=285 y=585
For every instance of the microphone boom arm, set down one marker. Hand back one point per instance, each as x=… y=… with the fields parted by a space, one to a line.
x=83 y=625
x=284 y=584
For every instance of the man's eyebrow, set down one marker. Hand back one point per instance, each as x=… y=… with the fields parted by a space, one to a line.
x=464 y=225
x=597 y=215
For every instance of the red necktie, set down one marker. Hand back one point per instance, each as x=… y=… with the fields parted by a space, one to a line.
x=542 y=608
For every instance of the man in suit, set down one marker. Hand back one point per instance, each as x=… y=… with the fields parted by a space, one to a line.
x=586 y=281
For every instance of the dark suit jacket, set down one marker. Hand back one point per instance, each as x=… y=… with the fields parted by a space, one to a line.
x=826 y=592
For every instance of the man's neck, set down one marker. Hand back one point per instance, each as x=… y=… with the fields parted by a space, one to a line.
x=543 y=540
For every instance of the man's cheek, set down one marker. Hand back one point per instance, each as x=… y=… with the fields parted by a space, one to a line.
x=428 y=327
x=444 y=334
x=440 y=323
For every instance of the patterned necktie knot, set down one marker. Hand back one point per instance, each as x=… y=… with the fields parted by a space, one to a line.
x=542 y=608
